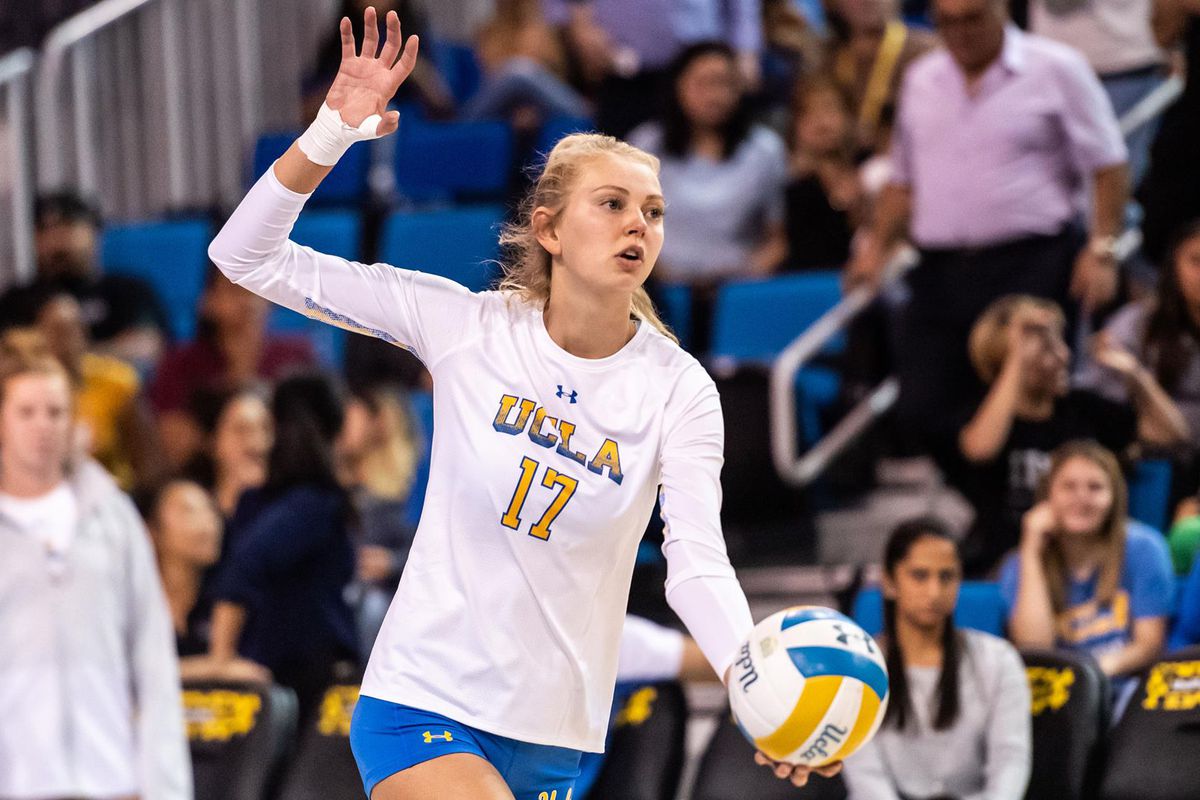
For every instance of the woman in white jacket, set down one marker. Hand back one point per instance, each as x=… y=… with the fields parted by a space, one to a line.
x=89 y=682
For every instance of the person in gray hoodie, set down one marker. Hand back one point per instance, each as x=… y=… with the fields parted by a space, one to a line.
x=89 y=681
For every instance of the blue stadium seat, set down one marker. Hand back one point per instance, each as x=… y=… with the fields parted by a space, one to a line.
x=675 y=306
x=980 y=607
x=753 y=321
x=556 y=128
x=458 y=66
x=439 y=161
x=171 y=256
x=345 y=185
x=1150 y=493
x=454 y=243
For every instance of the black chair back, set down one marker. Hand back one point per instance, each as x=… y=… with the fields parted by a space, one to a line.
x=239 y=735
x=728 y=772
x=324 y=767
x=646 y=751
x=1070 y=715
x=1153 y=749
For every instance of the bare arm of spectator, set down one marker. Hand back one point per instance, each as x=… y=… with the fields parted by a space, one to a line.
x=1169 y=19
x=887 y=229
x=1094 y=281
x=228 y=621
x=1009 y=733
x=1149 y=636
x=771 y=252
x=1031 y=623
x=1160 y=421
x=985 y=435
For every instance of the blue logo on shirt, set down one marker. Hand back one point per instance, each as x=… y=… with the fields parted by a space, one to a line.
x=572 y=396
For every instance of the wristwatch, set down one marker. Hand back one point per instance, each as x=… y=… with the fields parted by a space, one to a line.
x=1104 y=247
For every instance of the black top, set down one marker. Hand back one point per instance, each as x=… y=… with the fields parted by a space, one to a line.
x=1003 y=489
x=818 y=234
x=112 y=304
x=288 y=561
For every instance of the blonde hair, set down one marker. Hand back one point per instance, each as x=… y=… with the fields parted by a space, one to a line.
x=389 y=465
x=1112 y=530
x=526 y=263
x=988 y=342
x=25 y=351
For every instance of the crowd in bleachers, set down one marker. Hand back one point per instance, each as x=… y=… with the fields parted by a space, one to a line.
x=279 y=464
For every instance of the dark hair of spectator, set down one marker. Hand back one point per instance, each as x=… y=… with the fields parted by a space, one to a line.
x=899 y=544
x=677 y=128
x=59 y=207
x=308 y=412
x=206 y=406
x=1170 y=323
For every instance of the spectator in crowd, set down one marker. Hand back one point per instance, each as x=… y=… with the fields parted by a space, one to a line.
x=232 y=348
x=1186 y=631
x=378 y=456
x=113 y=420
x=1163 y=333
x=86 y=655
x=824 y=199
x=995 y=133
x=279 y=597
x=626 y=46
x=525 y=69
x=237 y=434
x=957 y=722
x=1117 y=39
x=1083 y=579
x=1171 y=191
x=1017 y=348
x=426 y=87
x=869 y=52
x=791 y=49
x=124 y=315
x=723 y=173
x=186 y=530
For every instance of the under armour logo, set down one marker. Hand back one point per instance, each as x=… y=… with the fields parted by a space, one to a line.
x=572 y=396
x=845 y=637
x=444 y=736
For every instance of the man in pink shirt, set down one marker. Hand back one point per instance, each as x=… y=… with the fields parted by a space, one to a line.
x=998 y=135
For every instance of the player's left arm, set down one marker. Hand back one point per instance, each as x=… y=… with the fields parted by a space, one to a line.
x=701 y=585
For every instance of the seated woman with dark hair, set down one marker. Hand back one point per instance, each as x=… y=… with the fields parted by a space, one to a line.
x=957 y=723
x=280 y=594
x=237 y=433
x=1083 y=579
x=723 y=173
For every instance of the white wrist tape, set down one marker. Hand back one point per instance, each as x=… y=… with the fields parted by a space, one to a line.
x=329 y=137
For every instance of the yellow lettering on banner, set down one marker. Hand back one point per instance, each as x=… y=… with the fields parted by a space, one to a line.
x=337 y=707
x=639 y=707
x=1049 y=688
x=1173 y=686
x=219 y=715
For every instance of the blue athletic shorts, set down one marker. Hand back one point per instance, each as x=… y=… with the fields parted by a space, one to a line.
x=388 y=737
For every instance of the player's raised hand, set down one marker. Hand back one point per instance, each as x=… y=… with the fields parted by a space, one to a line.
x=366 y=81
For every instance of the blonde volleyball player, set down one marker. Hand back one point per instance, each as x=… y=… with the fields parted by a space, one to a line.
x=561 y=406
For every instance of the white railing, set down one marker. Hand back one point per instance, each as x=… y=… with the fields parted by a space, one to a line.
x=16 y=173
x=151 y=106
x=800 y=470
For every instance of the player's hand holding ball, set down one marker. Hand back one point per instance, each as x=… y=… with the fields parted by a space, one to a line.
x=808 y=688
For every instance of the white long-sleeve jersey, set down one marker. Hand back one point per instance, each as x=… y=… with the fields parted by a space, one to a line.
x=544 y=472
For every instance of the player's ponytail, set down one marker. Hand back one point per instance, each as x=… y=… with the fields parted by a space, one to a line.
x=526 y=263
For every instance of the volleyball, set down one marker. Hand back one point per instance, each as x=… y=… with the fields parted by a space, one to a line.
x=809 y=686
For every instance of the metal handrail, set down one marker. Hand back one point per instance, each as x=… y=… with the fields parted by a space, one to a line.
x=801 y=471
x=15 y=69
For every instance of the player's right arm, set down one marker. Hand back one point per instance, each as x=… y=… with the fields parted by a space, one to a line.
x=420 y=312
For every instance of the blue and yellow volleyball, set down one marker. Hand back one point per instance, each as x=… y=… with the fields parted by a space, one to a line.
x=809 y=686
